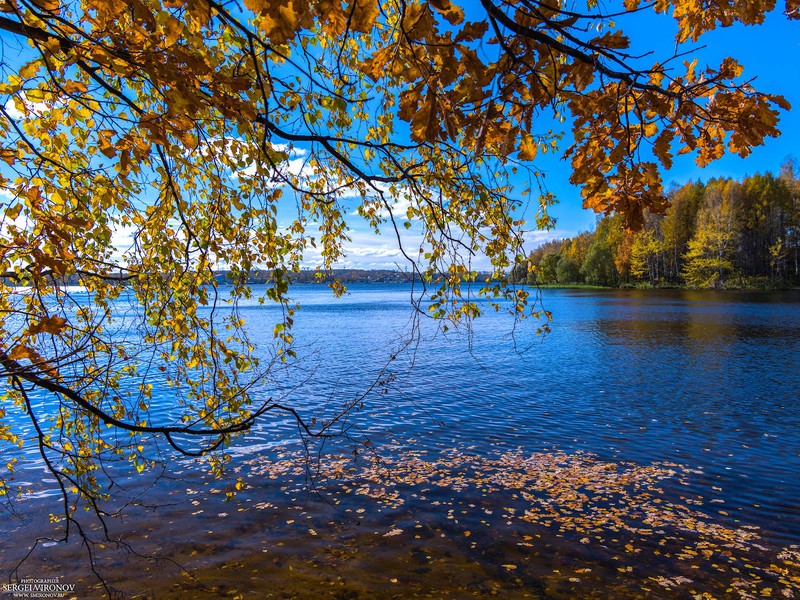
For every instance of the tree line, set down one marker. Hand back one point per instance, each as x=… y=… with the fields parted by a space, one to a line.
x=720 y=234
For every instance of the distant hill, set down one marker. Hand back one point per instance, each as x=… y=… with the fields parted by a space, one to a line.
x=346 y=276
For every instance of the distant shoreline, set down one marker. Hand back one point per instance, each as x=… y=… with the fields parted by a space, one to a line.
x=654 y=288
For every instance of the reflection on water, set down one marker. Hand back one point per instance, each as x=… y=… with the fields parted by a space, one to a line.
x=707 y=383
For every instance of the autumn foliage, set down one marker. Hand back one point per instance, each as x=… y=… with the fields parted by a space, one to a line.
x=146 y=143
x=719 y=234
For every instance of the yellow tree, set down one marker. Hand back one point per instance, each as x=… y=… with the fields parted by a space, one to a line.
x=709 y=258
x=644 y=256
x=180 y=125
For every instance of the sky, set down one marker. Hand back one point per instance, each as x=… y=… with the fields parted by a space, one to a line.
x=770 y=54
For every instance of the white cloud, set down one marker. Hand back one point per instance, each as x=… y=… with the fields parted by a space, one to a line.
x=34 y=108
x=123 y=239
x=290 y=150
x=536 y=237
x=366 y=250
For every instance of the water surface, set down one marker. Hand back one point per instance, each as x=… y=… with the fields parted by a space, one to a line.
x=647 y=447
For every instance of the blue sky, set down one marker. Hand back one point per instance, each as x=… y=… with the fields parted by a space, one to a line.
x=770 y=54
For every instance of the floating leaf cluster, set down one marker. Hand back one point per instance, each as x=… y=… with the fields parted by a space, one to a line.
x=612 y=525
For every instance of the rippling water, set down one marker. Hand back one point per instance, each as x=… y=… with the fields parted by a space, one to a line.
x=708 y=382
x=707 y=379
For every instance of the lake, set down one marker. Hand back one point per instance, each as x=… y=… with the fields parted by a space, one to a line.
x=648 y=446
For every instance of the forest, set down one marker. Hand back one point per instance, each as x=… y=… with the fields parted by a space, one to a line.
x=719 y=234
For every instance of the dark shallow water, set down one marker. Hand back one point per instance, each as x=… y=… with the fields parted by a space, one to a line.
x=648 y=446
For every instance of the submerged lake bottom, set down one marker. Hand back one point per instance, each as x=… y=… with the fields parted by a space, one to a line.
x=456 y=524
x=647 y=448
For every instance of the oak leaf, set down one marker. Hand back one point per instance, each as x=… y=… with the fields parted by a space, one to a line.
x=528 y=147
x=363 y=14
x=51 y=325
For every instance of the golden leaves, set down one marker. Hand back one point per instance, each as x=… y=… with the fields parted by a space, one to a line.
x=420 y=112
x=615 y=39
x=363 y=14
x=48 y=5
x=528 y=147
x=379 y=63
x=104 y=143
x=49 y=325
x=332 y=16
x=695 y=19
x=21 y=352
x=662 y=145
x=172 y=30
x=572 y=513
x=472 y=31
x=452 y=13
x=418 y=21
x=29 y=70
x=74 y=87
x=425 y=123
x=9 y=156
x=278 y=20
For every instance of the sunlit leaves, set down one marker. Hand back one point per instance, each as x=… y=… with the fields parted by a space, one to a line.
x=712 y=112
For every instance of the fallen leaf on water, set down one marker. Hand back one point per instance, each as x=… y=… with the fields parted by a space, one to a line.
x=393 y=532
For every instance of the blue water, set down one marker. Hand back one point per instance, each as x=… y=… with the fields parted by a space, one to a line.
x=707 y=380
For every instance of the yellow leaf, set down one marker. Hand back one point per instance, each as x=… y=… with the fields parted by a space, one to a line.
x=29 y=70
x=377 y=64
x=453 y=14
x=12 y=212
x=51 y=325
x=527 y=147
x=105 y=145
x=615 y=40
x=48 y=5
x=20 y=352
x=74 y=87
x=278 y=21
x=364 y=15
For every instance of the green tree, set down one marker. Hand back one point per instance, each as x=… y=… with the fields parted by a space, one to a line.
x=599 y=268
x=790 y=176
x=762 y=212
x=568 y=271
x=548 y=268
